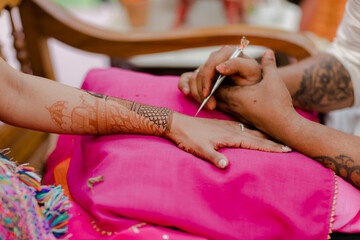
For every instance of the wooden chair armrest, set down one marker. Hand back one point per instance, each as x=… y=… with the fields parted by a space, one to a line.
x=61 y=25
x=8 y=4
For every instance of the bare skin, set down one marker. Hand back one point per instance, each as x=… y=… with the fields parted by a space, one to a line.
x=319 y=83
x=268 y=106
x=40 y=104
x=243 y=71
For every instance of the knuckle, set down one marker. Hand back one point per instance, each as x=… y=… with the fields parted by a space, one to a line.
x=215 y=53
x=227 y=48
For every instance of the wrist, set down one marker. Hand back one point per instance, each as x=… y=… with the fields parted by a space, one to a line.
x=173 y=125
x=288 y=128
x=281 y=126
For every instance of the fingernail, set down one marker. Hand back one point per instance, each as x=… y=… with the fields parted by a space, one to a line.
x=204 y=92
x=286 y=149
x=186 y=90
x=269 y=54
x=222 y=163
x=222 y=68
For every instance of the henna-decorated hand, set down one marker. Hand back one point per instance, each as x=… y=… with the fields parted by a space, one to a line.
x=243 y=71
x=202 y=137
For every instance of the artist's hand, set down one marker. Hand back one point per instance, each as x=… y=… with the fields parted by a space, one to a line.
x=243 y=71
x=267 y=105
x=202 y=137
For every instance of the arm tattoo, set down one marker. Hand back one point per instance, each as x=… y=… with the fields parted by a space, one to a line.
x=100 y=114
x=344 y=166
x=324 y=84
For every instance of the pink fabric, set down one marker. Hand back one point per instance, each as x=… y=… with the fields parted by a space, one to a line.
x=347 y=211
x=148 y=179
x=81 y=227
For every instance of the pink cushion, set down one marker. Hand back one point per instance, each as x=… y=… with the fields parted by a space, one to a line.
x=259 y=196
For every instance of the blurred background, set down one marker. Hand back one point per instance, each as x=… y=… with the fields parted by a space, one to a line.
x=319 y=17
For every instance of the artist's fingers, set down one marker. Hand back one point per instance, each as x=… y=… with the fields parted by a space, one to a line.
x=223 y=106
x=194 y=90
x=184 y=84
x=207 y=72
x=240 y=66
x=211 y=104
x=226 y=101
x=199 y=86
x=228 y=95
x=269 y=63
x=248 y=69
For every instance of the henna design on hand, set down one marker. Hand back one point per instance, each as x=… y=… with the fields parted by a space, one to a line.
x=324 y=84
x=85 y=118
x=343 y=166
x=122 y=120
x=157 y=115
x=56 y=113
x=100 y=114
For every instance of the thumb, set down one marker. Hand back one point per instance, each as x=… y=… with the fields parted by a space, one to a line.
x=216 y=158
x=268 y=62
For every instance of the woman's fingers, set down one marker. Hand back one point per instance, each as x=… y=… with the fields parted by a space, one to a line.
x=213 y=156
x=246 y=141
x=238 y=138
x=262 y=144
x=250 y=139
x=203 y=137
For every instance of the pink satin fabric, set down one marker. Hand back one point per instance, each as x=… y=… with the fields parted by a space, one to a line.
x=148 y=179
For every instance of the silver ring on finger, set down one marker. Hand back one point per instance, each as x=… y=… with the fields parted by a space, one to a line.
x=242 y=127
x=196 y=70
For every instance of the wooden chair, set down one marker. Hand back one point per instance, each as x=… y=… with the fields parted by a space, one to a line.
x=43 y=19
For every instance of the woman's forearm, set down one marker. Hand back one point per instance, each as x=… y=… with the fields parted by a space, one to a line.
x=320 y=83
x=334 y=149
x=100 y=114
x=38 y=103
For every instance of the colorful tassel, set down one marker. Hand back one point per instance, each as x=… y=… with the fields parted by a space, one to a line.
x=28 y=176
x=55 y=208
x=54 y=205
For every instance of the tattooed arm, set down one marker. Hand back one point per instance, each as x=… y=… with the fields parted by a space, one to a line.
x=268 y=106
x=319 y=83
x=37 y=103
